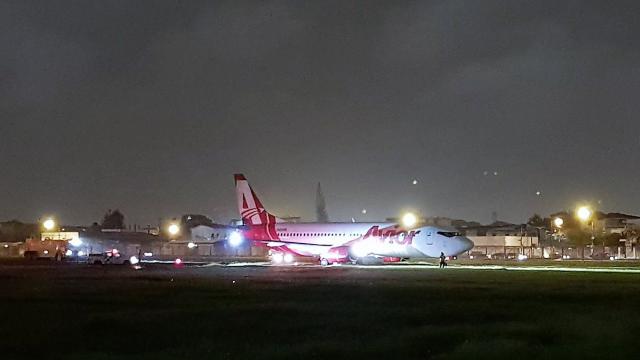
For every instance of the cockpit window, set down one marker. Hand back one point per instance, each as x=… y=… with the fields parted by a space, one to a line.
x=449 y=233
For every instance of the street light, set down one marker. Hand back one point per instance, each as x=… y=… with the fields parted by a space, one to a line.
x=49 y=224
x=558 y=222
x=584 y=213
x=409 y=220
x=174 y=229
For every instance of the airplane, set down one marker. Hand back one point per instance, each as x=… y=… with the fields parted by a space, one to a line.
x=341 y=242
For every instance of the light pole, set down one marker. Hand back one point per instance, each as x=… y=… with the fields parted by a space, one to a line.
x=557 y=223
x=585 y=215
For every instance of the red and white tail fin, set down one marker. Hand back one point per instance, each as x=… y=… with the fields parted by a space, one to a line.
x=249 y=206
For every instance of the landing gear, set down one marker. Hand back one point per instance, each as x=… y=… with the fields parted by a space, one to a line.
x=324 y=262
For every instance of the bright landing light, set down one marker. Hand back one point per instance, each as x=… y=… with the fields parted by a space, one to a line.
x=277 y=258
x=409 y=220
x=288 y=258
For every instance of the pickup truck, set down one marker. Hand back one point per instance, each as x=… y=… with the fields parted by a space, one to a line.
x=108 y=257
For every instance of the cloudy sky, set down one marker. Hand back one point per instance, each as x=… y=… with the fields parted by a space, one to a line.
x=151 y=106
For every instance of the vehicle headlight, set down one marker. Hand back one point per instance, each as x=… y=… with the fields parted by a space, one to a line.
x=75 y=242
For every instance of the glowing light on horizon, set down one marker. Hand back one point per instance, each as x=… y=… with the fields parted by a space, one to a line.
x=584 y=213
x=409 y=220
x=49 y=224
x=174 y=229
x=235 y=238
x=558 y=222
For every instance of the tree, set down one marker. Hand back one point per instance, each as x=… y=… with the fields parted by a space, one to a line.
x=578 y=237
x=95 y=227
x=539 y=223
x=612 y=239
x=113 y=220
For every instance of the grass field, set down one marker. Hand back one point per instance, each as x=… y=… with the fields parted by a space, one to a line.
x=81 y=312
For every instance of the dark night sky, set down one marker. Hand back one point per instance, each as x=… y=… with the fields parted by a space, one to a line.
x=151 y=106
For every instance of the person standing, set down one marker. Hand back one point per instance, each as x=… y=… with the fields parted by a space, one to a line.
x=443 y=260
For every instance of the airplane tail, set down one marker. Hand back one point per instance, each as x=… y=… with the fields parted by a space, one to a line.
x=249 y=206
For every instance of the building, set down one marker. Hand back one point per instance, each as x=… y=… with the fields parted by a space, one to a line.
x=502 y=240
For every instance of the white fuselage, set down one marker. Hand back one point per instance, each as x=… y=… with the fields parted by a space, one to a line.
x=380 y=239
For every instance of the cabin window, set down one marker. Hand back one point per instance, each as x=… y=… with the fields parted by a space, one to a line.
x=449 y=233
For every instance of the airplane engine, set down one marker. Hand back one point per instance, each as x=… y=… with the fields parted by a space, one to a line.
x=338 y=254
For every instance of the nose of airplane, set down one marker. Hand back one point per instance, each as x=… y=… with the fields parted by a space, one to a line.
x=464 y=244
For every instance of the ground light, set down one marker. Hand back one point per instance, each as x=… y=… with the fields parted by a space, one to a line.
x=409 y=220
